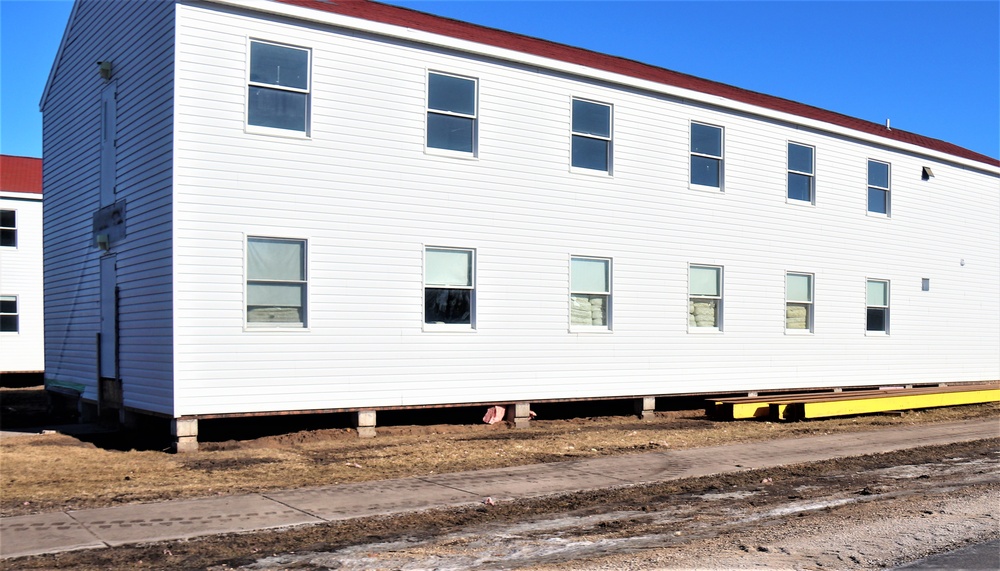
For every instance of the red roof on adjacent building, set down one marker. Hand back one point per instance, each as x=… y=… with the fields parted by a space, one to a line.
x=20 y=174
x=405 y=17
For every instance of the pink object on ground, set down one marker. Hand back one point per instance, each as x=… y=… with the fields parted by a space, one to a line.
x=495 y=414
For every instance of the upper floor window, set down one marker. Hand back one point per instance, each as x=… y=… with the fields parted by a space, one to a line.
x=278 y=91
x=877 y=318
x=798 y=302
x=449 y=287
x=878 y=187
x=276 y=282
x=8 y=228
x=706 y=155
x=800 y=172
x=8 y=314
x=590 y=292
x=451 y=113
x=591 y=135
x=705 y=297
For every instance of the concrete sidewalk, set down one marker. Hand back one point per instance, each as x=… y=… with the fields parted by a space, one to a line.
x=183 y=519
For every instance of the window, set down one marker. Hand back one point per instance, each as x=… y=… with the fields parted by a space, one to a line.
x=278 y=93
x=590 y=292
x=8 y=314
x=449 y=287
x=451 y=113
x=706 y=155
x=798 y=302
x=276 y=282
x=800 y=172
x=8 y=228
x=705 y=302
x=591 y=135
x=878 y=306
x=878 y=187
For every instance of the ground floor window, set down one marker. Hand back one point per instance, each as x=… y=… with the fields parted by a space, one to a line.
x=276 y=282
x=449 y=287
x=705 y=298
x=877 y=319
x=798 y=302
x=590 y=292
x=8 y=314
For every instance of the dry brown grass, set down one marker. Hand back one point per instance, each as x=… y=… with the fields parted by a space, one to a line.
x=55 y=471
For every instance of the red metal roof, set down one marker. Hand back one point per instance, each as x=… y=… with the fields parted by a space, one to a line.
x=20 y=174
x=405 y=17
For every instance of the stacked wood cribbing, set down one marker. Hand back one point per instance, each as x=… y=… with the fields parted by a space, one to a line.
x=827 y=404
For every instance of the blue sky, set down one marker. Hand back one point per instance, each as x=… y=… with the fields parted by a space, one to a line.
x=931 y=67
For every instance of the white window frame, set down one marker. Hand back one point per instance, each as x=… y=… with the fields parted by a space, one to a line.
x=16 y=313
x=887 y=189
x=609 y=139
x=810 y=304
x=719 y=299
x=885 y=308
x=607 y=295
x=264 y=130
x=302 y=325
x=452 y=327
x=721 y=158
x=10 y=229
x=474 y=116
x=811 y=174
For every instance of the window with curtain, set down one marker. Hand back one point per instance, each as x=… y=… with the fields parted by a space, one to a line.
x=449 y=287
x=451 y=113
x=706 y=155
x=705 y=297
x=591 y=135
x=798 y=302
x=278 y=90
x=276 y=282
x=877 y=318
x=878 y=187
x=590 y=292
x=800 y=172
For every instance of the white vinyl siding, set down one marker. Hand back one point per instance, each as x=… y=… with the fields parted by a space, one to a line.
x=369 y=197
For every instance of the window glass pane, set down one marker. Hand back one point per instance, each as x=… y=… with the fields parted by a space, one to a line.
x=454 y=94
x=275 y=295
x=799 y=187
x=279 y=65
x=8 y=237
x=589 y=275
x=277 y=109
x=706 y=140
x=8 y=304
x=8 y=218
x=588 y=310
x=591 y=118
x=878 y=293
x=703 y=313
x=797 y=316
x=590 y=153
x=450 y=132
x=800 y=158
x=878 y=174
x=704 y=171
x=799 y=287
x=275 y=260
x=705 y=281
x=8 y=323
x=878 y=201
x=876 y=319
x=447 y=305
x=449 y=268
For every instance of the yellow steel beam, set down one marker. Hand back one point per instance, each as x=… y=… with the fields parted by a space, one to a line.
x=845 y=407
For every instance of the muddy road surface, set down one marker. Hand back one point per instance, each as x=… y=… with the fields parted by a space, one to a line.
x=868 y=512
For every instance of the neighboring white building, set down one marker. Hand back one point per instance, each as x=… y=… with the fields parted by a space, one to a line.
x=273 y=206
x=21 y=320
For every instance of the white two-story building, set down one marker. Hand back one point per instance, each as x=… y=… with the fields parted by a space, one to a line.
x=263 y=207
x=21 y=320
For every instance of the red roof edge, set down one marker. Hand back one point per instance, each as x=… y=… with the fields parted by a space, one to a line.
x=405 y=17
x=20 y=174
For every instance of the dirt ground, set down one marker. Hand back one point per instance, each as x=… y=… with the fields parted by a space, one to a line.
x=779 y=518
